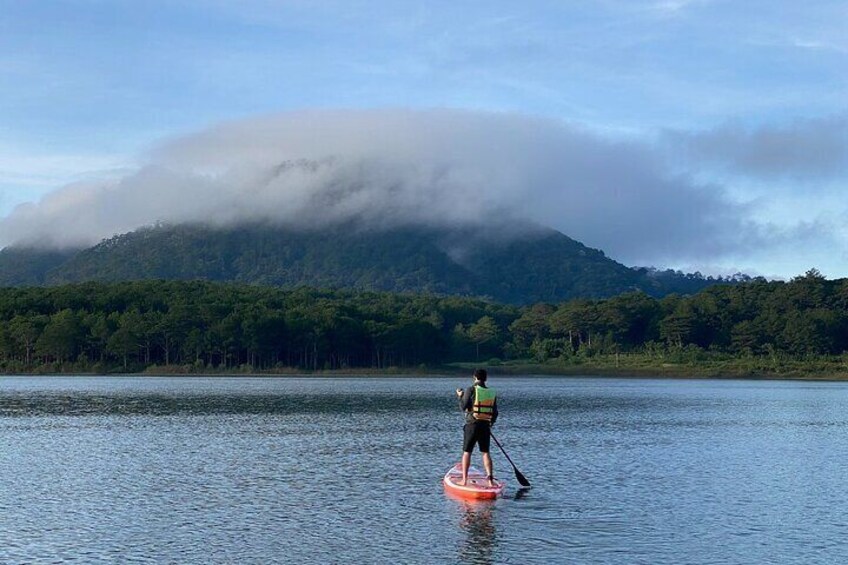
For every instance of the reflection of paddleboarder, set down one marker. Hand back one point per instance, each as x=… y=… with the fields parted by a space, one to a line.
x=481 y=410
x=478 y=523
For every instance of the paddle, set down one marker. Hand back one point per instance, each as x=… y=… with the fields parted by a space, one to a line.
x=522 y=480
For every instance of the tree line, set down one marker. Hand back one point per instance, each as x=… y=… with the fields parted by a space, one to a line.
x=202 y=325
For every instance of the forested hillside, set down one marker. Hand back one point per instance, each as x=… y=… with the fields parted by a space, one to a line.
x=512 y=264
x=212 y=326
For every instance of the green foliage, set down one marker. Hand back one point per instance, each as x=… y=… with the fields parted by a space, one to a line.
x=483 y=331
x=212 y=325
x=195 y=326
x=543 y=350
x=29 y=266
x=61 y=337
x=530 y=265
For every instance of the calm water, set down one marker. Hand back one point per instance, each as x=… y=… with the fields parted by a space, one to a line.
x=195 y=470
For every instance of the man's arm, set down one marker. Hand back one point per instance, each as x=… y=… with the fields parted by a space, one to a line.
x=466 y=400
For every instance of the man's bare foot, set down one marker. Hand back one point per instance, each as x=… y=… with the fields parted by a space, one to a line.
x=463 y=481
x=491 y=480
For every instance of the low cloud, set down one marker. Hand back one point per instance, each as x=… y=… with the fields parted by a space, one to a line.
x=387 y=168
x=803 y=149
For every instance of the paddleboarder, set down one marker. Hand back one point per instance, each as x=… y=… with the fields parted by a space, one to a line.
x=479 y=402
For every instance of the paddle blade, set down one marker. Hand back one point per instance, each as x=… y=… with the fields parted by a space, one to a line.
x=522 y=480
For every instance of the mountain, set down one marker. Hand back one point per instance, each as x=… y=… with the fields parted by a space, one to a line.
x=528 y=265
x=29 y=267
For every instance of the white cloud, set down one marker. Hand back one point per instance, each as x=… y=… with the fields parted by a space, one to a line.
x=818 y=45
x=802 y=149
x=384 y=168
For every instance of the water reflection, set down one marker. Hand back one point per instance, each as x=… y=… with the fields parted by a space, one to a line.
x=521 y=493
x=476 y=521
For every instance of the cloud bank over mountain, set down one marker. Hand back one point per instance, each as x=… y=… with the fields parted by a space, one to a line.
x=387 y=168
x=803 y=149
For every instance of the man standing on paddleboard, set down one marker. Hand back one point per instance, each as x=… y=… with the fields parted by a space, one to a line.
x=481 y=410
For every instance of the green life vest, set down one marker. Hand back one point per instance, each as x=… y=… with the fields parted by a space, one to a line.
x=484 y=403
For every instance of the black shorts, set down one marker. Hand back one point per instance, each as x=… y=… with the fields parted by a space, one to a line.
x=479 y=433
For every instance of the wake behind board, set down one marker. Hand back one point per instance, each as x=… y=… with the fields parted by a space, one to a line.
x=476 y=487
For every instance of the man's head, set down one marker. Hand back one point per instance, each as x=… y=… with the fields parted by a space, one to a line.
x=480 y=375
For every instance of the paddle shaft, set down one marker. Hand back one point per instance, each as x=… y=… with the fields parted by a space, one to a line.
x=518 y=475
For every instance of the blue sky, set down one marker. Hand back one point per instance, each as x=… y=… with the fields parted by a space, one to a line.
x=731 y=89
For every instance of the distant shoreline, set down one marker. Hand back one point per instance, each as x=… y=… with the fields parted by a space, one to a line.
x=659 y=371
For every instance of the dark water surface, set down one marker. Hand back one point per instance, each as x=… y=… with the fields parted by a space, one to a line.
x=242 y=470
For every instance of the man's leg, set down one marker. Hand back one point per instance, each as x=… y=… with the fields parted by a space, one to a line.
x=466 y=462
x=469 y=438
x=487 y=464
x=484 y=441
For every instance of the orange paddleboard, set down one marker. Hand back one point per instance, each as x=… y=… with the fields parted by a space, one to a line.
x=476 y=487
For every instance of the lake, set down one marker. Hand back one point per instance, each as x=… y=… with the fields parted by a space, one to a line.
x=348 y=470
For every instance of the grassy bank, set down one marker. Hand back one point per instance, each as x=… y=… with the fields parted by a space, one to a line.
x=78 y=369
x=704 y=365
x=685 y=365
